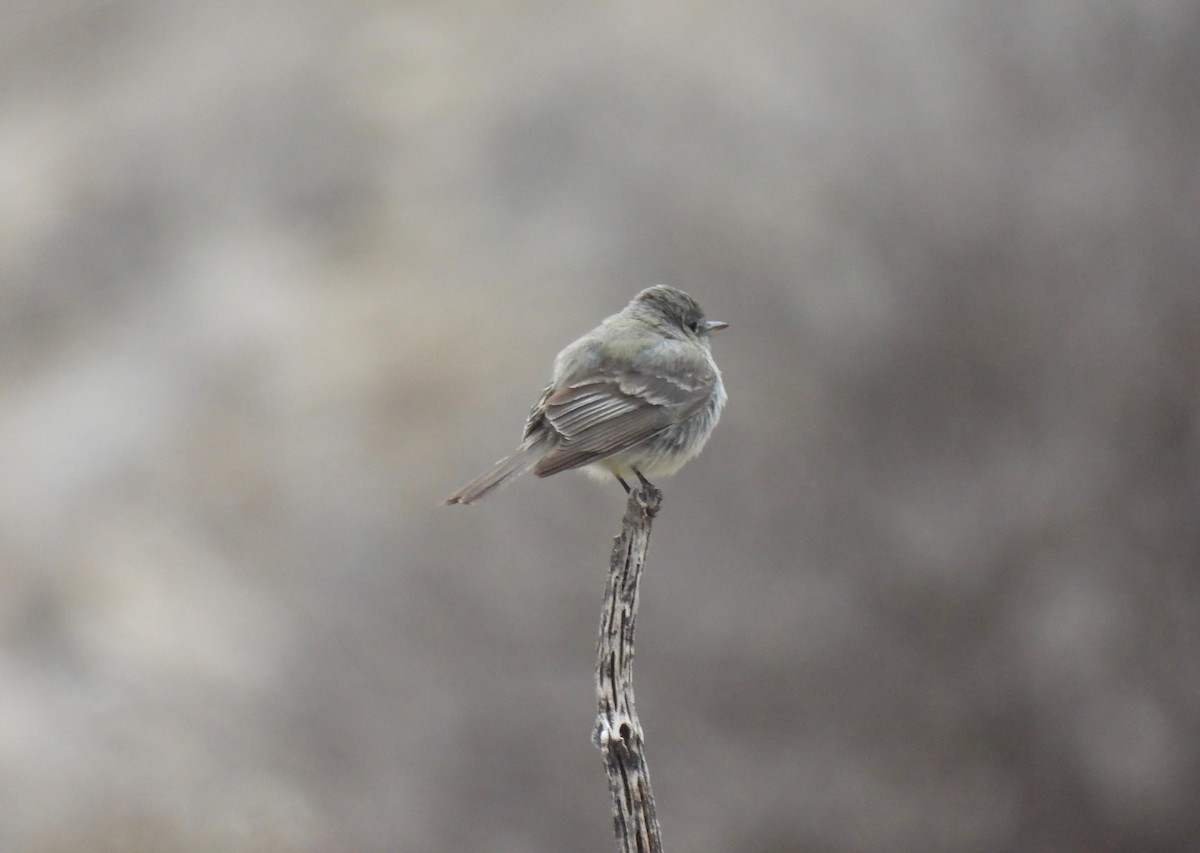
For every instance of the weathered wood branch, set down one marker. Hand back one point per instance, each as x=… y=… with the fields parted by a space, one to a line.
x=618 y=733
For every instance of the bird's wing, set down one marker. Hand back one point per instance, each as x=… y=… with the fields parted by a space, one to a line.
x=606 y=413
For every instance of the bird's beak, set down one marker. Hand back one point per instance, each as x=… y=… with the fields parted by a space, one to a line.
x=715 y=325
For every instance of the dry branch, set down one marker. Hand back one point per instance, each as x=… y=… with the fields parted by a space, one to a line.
x=618 y=733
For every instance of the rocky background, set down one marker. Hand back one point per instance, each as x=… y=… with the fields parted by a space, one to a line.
x=275 y=278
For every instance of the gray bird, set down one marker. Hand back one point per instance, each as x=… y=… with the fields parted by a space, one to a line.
x=638 y=395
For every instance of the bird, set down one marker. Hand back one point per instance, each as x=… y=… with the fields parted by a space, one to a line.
x=638 y=396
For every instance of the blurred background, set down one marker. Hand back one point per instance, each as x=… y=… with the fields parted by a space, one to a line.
x=276 y=278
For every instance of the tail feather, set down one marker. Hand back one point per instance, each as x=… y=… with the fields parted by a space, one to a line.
x=525 y=457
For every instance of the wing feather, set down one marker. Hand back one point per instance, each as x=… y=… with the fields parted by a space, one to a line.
x=606 y=413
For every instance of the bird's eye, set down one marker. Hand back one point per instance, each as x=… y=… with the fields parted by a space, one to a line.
x=694 y=325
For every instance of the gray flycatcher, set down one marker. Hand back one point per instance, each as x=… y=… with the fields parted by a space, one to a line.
x=638 y=395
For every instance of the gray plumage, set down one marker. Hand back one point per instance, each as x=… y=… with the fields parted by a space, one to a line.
x=638 y=395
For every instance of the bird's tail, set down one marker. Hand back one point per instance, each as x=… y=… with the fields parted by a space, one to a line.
x=525 y=457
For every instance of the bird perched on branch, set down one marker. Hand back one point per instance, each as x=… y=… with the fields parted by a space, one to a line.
x=638 y=396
